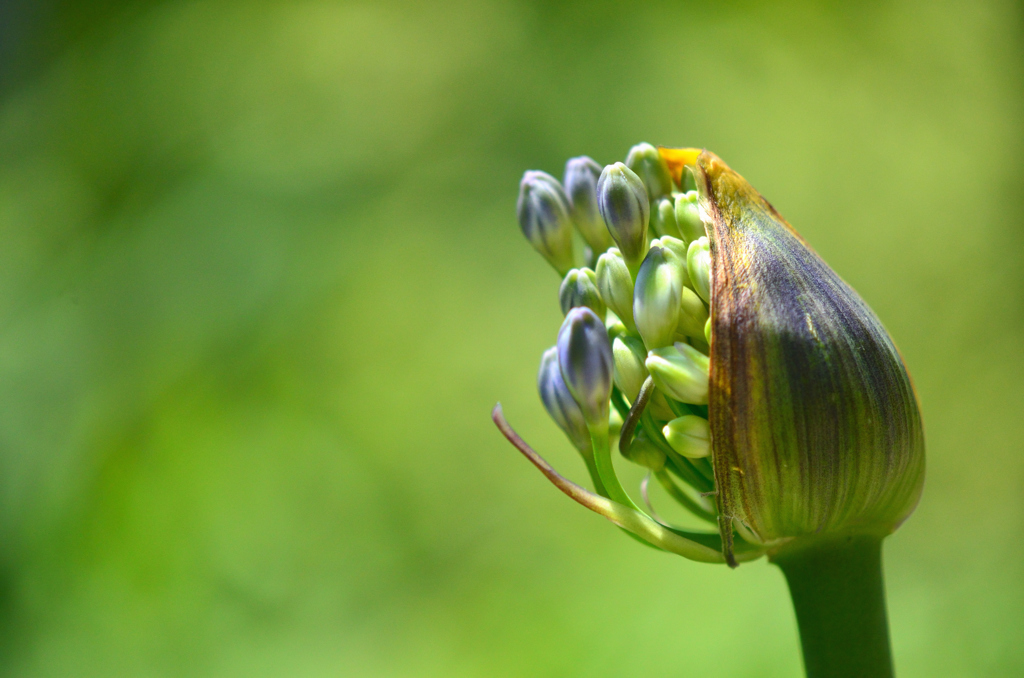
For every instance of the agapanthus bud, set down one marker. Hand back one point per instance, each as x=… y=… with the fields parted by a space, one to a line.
x=816 y=433
x=543 y=210
x=585 y=357
x=579 y=288
x=663 y=219
x=698 y=264
x=630 y=372
x=659 y=285
x=648 y=164
x=815 y=424
x=581 y=175
x=693 y=316
x=673 y=245
x=614 y=422
x=689 y=435
x=644 y=452
x=616 y=286
x=559 y=402
x=622 y=200
x=614 y=326
x=629 y=354
x=681 y=372
x=688 y=217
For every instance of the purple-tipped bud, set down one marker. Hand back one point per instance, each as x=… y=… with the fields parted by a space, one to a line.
x=623 y=202
x=585 y=356
x=579 y=288
x=559 y=402
x=648 y=164
x=543 y=210
x=581 y=175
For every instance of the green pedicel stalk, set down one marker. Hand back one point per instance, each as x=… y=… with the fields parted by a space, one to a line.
x=837 y=590
x=756 y=377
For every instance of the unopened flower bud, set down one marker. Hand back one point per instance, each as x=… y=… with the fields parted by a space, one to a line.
x=543 y=210
x=579 y=288
x=817 y=436
x=659 y=285
x=693 y=316
x=648 y=164
x=676 y=247
x=614 y=326
x=681 y=372
x=698 y=263
x=688 y=217
x=630 y=372
x=616 y=286
x=581 y=175
x=663 y=218
x=622 y=200
x=689 y=435
x=644 y=452
x=814 y=419
x=585 y=357
x=614 y=422
x=559 y=402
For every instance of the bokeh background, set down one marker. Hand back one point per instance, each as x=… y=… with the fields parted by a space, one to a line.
x=261 y=282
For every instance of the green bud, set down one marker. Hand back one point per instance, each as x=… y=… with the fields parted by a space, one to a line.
x=693 y=315
x=648 y=164
x=689 y=435
x=543 y=210
x=644 y=452
x=659 y=285
x=663 y=218
x=614 y=422
x=681 y=372
x=698 y=262
x=688 y=217
x=614 y=325
x=616 y=286
x=629 y=354
x=581 y=175
x=559 y=402
x=630 y=373
x=579 y=288
x=622 y=200
x=585 y=358
x=707 y=331
x=676 y=247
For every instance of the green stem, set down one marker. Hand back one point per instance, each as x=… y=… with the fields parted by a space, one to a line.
x=595 y=477
x=837 y=590
x=605 y=469
x=684 y=499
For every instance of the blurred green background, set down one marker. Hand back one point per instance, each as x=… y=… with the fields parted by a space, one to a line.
x=261 y=282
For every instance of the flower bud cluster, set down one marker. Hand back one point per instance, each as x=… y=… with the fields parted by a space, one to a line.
x=787 y=402
x=639 y=315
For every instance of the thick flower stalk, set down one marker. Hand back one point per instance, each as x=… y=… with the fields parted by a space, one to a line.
x=755 y=386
